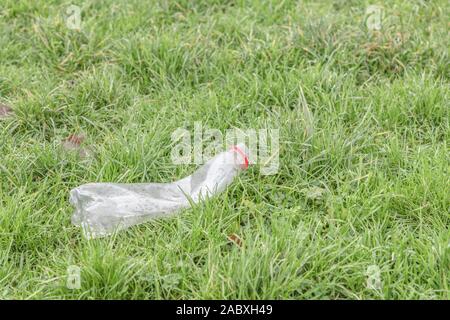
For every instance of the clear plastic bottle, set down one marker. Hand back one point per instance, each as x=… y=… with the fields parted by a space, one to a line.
x=102 y=208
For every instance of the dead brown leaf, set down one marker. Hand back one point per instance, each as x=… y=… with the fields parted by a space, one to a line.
x=73 y=143
x=5 y=111
x=235 y=239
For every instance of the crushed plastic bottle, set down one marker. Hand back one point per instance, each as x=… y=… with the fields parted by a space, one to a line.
x=103 y=208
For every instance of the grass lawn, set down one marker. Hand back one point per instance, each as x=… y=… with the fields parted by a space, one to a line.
x=359 y=208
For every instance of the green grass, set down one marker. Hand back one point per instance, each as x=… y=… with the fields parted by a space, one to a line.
x=377 y=146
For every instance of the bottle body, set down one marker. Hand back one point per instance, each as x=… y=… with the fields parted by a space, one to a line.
x=102 y=208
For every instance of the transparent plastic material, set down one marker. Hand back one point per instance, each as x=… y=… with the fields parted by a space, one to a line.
x=103 y=208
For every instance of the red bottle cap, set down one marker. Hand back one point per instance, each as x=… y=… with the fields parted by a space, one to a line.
x=242 y=153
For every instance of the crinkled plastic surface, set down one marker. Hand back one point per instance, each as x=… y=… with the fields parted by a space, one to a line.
x=103 y=208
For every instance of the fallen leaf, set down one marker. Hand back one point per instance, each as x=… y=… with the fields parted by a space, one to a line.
x=73 y=143
x=5 y=111
x=235 y=239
